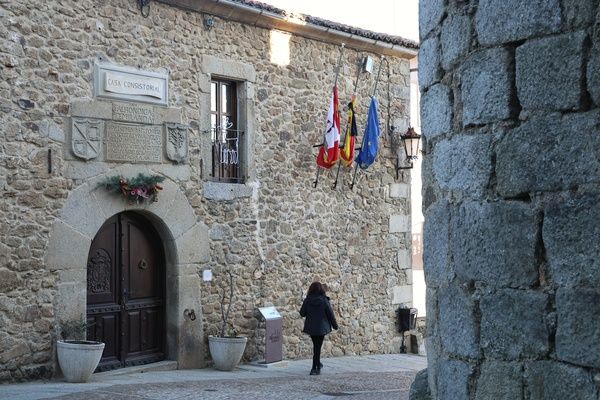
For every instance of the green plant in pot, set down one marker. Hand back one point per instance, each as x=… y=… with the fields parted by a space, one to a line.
x=77 y=357
x=226 y=349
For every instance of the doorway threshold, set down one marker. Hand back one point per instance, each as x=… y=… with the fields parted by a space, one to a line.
x=166 y=365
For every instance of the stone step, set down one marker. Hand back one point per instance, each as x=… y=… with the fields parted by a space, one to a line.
x=167 y=365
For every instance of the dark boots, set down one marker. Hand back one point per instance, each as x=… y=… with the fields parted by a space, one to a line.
x=316 y=371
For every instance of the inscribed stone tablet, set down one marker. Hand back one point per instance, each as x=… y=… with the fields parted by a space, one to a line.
x=130 y=84
x=133 y=143
x=133 y=113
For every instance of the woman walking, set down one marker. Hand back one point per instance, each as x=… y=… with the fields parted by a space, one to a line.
x=319 y=321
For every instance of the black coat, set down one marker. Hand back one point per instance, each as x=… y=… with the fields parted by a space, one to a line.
x=319 y=315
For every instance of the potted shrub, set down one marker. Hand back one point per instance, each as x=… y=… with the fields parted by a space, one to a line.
x=78 y=358
x=226 y=349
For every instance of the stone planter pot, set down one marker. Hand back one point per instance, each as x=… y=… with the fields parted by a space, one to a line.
x=226 y=352
x=78 y=358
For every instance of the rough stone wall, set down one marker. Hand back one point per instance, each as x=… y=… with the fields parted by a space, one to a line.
x=510 y=111
x=279 y=239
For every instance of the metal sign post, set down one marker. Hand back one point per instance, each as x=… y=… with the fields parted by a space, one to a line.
x=274 y=334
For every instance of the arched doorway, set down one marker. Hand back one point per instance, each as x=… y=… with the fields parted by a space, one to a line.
x=126 y=291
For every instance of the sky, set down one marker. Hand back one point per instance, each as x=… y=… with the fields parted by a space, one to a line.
x=394 y=17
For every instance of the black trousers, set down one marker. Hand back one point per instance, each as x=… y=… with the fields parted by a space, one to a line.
x=317 y=344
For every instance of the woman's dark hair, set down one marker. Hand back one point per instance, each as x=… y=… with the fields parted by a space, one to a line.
x=316 y=288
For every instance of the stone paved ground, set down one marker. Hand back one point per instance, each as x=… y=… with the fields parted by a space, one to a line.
x=380 y=386
x=379 y=377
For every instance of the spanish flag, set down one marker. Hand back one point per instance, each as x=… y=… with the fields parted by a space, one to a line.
x=330 y=151
x=347 y=152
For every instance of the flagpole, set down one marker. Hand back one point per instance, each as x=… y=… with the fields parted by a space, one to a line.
x=363 y=139
x=337 y=74
x=347 y=122
x=339 y=66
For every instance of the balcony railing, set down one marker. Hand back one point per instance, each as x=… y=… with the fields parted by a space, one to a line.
x=226 y=157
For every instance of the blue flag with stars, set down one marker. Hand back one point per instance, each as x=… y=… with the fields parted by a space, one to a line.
x=368 y=152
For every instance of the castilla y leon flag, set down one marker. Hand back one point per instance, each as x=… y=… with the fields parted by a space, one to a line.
x=347 y=153
x=330 y=151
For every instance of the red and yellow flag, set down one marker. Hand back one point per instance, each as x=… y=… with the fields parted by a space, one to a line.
x=329 y=153
x=347 y=153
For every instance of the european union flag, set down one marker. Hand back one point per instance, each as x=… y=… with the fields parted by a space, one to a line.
x=368 y=152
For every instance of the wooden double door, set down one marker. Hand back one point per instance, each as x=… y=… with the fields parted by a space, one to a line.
x=126 y=292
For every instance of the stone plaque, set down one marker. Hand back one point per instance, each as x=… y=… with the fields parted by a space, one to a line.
x=177 y=142
x=131 y=84
x=126 y=84
x=133 y=143
x=85 y=137
x=133 y=113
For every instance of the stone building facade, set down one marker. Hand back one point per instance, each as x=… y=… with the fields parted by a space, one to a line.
x=92 y=90
x=510 y=112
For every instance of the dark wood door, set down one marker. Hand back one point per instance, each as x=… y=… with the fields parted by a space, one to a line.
x=126 y=292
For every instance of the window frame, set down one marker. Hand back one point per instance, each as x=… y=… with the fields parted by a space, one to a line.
x=232 y=139
x=245 y=77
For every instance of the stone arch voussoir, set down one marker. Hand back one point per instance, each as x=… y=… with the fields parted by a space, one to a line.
x=185 y=239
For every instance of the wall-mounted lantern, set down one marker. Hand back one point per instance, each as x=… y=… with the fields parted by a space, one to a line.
x=410 y=140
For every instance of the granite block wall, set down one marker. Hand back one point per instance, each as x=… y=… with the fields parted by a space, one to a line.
x=511 y=121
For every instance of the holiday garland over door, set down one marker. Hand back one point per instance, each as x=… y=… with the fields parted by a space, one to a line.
x=138 y=189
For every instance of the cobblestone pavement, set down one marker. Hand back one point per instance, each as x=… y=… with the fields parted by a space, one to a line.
x=381 y=386
x=380 y=377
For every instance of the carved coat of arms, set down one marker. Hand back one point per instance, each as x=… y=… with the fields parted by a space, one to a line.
x=86 y=136
x=177 y=142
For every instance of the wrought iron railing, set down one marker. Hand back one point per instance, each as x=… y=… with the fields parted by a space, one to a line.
x=226 y=155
